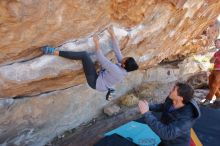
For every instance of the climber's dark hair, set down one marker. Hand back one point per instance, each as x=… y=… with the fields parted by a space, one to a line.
x=186 y=91
x=130 y=64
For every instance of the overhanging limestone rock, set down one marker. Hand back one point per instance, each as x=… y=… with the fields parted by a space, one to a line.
x=28 y=25
x=164 y=31
x=149 y=30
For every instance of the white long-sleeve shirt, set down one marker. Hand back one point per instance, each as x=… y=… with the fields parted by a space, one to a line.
x=112 y=73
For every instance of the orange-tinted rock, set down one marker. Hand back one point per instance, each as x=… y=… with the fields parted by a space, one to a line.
x=26 y=25
x=149 y=30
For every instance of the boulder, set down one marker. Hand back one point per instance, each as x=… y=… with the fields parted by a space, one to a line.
x=111 y=110
x=52 y=94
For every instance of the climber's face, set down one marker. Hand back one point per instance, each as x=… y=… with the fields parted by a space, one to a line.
x=217 y=44
x=174 y=95
x=123 y=61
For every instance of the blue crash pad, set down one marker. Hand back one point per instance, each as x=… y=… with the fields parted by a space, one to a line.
x=138 y=133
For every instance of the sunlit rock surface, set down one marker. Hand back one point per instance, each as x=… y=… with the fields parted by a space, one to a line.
x=54 y=88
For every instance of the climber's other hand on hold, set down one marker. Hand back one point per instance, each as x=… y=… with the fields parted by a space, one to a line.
x=110 y=30
x=96 y=41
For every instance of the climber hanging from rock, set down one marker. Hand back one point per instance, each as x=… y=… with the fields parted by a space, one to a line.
x=110 y=74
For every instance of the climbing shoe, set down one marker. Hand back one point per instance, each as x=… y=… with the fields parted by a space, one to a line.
x=205 y=102
x=48 y=50
x=110 y=94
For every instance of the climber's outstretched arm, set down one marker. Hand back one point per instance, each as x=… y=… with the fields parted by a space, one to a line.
x=105 y=63
x=115 y=45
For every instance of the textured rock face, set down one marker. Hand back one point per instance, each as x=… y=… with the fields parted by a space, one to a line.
x=151 y=31
x=33 y=121
x=27 y=24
